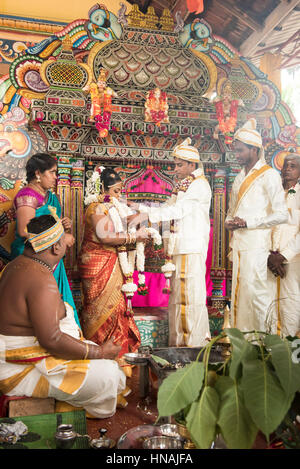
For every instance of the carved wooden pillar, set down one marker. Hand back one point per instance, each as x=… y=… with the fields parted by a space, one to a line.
x=232 y=171
x=218 y=266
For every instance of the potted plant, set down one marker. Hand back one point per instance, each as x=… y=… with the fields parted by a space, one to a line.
x=250 y=391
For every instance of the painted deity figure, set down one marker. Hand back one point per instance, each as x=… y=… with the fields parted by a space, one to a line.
x=156 y=107
x=226 y=109
x=101 y=96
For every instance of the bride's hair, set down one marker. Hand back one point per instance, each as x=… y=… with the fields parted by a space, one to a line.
x=109 y=177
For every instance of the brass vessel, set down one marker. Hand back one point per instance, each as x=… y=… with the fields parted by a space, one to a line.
x=225 y=340
x=185 y=434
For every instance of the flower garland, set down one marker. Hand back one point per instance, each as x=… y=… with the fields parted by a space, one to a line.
x=168 y=268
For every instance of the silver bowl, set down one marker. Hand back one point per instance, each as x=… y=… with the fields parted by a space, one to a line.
x=102 y=443
x=170 y=429
x=136 y=358
x=163 y=442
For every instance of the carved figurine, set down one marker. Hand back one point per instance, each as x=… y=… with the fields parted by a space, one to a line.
x=226 y=109
x=156 y=107
x=101 y=96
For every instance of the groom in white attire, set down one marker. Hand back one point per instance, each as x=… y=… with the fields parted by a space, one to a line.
x=189 y=207
x=257 y=204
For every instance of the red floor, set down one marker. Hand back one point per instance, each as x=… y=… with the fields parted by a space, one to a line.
x=137 y=412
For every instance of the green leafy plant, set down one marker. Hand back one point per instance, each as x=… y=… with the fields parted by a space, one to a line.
x=250 y=391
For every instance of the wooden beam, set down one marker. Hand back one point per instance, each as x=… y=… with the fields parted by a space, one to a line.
x=278 y=47
x=242 y=15
x=277 y=16
x=180 y=5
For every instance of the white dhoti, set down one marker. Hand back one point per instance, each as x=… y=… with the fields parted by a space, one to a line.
x=286 y=292
x=91 y=384
x=251 y=299
x=188 y=316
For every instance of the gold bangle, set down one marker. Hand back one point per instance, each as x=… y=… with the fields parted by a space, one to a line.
x=86 y=351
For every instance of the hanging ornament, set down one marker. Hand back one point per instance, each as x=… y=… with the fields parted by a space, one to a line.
x=226 y=110
x=101 y=96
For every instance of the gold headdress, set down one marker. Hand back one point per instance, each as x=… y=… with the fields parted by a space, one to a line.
x=103 y=75
x=44 y=240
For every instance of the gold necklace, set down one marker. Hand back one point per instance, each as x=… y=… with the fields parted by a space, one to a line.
x=37 y=188
x=40 y=262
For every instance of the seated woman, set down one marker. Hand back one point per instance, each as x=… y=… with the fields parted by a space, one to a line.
x=105 y=312
x=36 y=199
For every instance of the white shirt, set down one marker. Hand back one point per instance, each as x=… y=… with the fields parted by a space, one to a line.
x=191 y=209
x=262 y=207
x=286 y=237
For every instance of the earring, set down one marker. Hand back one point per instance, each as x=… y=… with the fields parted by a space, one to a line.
x=38 y=179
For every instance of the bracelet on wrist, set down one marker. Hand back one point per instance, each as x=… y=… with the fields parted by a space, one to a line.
x=86 y=351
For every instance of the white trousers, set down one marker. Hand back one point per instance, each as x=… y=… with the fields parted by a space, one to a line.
x=251 y=298
x=286 y=296
x=188 y=317
x=91 y=384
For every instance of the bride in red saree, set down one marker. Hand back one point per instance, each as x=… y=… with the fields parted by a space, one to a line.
x=105 y=313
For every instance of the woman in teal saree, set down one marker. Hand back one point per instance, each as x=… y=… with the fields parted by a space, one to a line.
x=34 y=200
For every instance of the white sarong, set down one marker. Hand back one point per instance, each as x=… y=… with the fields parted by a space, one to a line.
x=91 y=384
x=188 y=316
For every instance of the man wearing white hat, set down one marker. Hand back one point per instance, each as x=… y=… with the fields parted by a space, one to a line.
x=284 y=261
x=189 y=208
x=257 y=204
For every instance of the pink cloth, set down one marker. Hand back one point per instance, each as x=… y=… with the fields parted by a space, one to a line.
x=155 y=297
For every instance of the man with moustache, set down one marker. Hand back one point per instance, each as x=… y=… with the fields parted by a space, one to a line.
x=257 y=204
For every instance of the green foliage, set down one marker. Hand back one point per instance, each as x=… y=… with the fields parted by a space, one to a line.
x=202 y=418
x=234 y=420
x=251 y=391
x=180 y=389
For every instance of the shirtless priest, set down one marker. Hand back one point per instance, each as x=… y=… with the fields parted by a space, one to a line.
x=42 y=351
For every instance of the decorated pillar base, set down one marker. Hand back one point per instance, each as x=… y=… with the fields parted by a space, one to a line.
x=218 y=300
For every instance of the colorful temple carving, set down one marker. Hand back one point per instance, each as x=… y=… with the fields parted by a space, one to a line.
x=44 y=106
